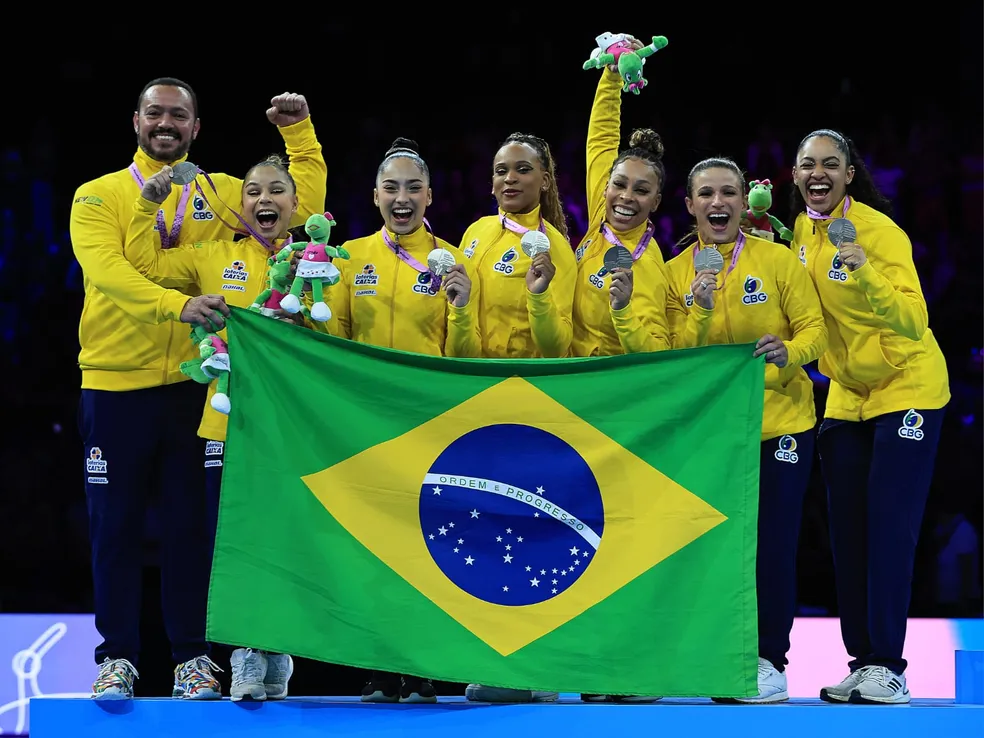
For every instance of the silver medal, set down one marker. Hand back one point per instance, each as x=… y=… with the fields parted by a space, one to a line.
x=440 y=261
x=183 y=173
x=618 y=257
x=708 y=258
x=841 y=230
x=534 y=243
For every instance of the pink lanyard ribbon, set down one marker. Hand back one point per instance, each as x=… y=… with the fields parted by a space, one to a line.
x=406 y=258
x=739 y=246
x=515 y=227
x=814 y=215
x=168 y=240
x=643 y=242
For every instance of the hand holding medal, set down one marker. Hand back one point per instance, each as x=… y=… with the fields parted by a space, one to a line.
x=707 y=262
x=842 y=234
x=157 y=188
x=618 y=261
x=457 y=285
x=536 y=245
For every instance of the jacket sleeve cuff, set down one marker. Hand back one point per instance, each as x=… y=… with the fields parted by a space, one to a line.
x=539 y=304
x=171 y=304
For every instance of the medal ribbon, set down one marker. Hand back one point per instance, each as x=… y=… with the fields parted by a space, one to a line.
x=406 y=258
x=515 y=227
x=814 y=215
x=168 y=240
x=643 y=242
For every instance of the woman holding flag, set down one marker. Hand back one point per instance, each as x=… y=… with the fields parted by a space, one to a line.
x=236 y=269
x=729 y=287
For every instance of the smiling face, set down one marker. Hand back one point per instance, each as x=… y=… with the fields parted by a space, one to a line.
x=269 y=201
x=518 y=178
x=822 y=173
x=717 y=203
x=165 y=123
x=632 y=194
x=402 y=195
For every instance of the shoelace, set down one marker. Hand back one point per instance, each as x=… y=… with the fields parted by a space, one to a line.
x=198 y=672
x=251 y=666
x=117 y=670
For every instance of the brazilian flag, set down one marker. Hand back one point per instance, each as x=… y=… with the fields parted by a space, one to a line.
x=575 y=525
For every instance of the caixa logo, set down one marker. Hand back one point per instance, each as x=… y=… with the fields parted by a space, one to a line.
x=201 y=210
x=504 y=265
x=753 y=291
x=837 y=272
x=912 y=426
x=787 y=450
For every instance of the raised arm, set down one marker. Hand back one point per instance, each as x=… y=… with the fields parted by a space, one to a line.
x=290 y=113
x=603 y=139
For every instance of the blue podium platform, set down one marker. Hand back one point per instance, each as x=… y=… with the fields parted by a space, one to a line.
x=454 y=717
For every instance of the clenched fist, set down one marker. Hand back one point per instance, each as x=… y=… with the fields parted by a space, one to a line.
x=288 y=109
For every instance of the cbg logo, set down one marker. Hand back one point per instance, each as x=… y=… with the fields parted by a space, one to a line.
x=753 y=291
x=504 y=265
x=423 y=285
x=912 y=426
x=837 y=272
x=201 y=212
x=598 y=279
x=787 y=450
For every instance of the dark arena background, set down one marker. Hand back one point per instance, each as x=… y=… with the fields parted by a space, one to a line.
x=904 y=84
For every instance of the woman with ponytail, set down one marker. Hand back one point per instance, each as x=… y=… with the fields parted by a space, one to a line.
x=525 y=303
x=888 y=391
x=620 y=310
x=759 y=296
x=387 y=295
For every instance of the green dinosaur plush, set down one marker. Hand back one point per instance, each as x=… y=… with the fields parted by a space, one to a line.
x=211 y=364
x=759 y=202
x=278 y=284
x=629 y=62
x=314 y=268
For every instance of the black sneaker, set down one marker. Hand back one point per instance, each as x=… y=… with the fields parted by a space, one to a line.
x=415 y=689
x=382 y=687
x=594 y=698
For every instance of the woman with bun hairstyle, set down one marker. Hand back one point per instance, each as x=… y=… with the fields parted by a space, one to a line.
x=756 y=293
x=889 y=388
x=525 y=303
x=388 y=296
x=622 y=309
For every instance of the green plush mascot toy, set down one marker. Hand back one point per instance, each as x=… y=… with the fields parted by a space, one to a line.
x=616 y=49
x=759 y=202
x=314 y=268
x=212 y=364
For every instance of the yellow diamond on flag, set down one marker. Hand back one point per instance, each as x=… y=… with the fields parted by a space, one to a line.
x=388 y=497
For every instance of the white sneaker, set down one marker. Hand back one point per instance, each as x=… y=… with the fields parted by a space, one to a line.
x=115 y=680
x=249 y=669
x=881 y=686
x=280 y=666
x=771 y=684
x=481 y=693
x=842 y=692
